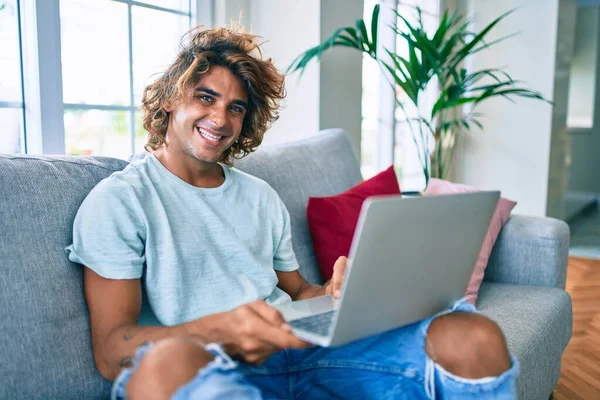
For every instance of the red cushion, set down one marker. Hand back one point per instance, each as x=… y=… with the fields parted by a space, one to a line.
x=332 y=220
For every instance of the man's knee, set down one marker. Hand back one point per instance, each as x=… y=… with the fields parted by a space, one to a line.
x=468 y=345
x=169 y=364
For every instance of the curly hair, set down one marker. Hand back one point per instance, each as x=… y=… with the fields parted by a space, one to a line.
x=229 y=48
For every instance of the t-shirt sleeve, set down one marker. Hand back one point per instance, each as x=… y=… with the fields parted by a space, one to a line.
x=109 y=232
x=284 y=258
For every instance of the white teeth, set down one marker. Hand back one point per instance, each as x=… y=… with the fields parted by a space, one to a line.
x=208 y=135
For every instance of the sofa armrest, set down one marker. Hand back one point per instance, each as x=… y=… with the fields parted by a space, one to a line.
x=530 y=251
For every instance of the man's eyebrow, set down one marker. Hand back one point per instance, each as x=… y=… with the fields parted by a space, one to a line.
x=217 y=94
x=241 y=103
x=207 y=90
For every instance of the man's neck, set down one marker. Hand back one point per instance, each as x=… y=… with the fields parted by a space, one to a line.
x=196 y=173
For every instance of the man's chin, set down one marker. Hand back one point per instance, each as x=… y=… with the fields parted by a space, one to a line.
x=207 y=158
x=208 y=155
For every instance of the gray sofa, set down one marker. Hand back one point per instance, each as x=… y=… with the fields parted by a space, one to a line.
x=44 y=335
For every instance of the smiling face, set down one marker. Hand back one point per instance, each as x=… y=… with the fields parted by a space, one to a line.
x=209 y=117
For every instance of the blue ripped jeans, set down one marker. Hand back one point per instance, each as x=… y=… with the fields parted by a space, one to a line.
x=391 y=365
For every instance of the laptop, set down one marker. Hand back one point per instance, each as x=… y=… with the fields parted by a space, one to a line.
x=410 y=258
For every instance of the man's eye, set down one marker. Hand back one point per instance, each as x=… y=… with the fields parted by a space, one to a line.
x=205 y=98
x=237 y=109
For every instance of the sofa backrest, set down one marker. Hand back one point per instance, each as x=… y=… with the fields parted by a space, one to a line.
x=45 y=349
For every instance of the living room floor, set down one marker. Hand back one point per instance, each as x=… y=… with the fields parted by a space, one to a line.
x=580 y=375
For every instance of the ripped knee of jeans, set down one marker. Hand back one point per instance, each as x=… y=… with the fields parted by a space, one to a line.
x=438 y=378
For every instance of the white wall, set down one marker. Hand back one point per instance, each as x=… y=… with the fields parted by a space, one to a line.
x=288 y=28
x=341 y=73
x=329 y=93
x=512 y=153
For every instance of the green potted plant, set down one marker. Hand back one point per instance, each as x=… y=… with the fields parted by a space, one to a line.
x=439 y=57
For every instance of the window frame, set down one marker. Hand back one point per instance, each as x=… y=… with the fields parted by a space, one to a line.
x=18 y=105
x=43 y=105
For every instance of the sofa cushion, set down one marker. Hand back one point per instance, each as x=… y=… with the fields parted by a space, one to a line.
x=501 y=215
x=332 y=220
x=322 y=165
x=44 y=333
x=537 y=323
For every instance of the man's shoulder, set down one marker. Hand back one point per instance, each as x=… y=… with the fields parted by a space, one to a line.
x=122 y=184
x=252 y=182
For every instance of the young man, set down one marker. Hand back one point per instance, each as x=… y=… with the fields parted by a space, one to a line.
x=211 y=247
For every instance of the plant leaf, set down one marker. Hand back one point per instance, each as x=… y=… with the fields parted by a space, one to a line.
x=485 y=45
x=401 y=64
x=374 y=25
x=442 y=27
x=466 y=50
x=406 y=85
x=344 y=37
x=350 y=31
x=477 y=123
x=414 y=64
x=363 y=36
x=491 y=72
x=347 y=40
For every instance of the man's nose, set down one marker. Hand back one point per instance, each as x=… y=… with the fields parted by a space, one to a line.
x=218 y=116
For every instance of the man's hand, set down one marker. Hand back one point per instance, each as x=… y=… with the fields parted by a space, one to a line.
x=254 y=331
x=299 y=289
x=334 y=286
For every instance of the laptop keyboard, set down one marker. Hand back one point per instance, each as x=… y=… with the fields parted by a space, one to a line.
x=318 y=324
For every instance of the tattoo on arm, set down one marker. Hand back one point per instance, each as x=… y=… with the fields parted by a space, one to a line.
x=298 y=291
x=126 y=362
x=130 y=333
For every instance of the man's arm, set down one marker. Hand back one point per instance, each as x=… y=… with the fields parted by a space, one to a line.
x=299 y=288
x=114 y=307
x=252 y=332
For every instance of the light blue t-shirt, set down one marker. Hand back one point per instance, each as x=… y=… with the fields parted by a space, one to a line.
x=198 y=250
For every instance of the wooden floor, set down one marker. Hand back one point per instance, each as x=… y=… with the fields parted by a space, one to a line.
x=580 y=377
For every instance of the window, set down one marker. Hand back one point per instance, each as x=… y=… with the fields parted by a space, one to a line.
x=111 y=49
x=370 y=124
x=73 y=72
x=370 y=118
x=406 y=155
x=386 y=138
x=11 y=88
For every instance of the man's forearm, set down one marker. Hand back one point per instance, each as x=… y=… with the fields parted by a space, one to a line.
x=308 y=291
x=299 y=288
x=121 y=344
x=119 y=348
